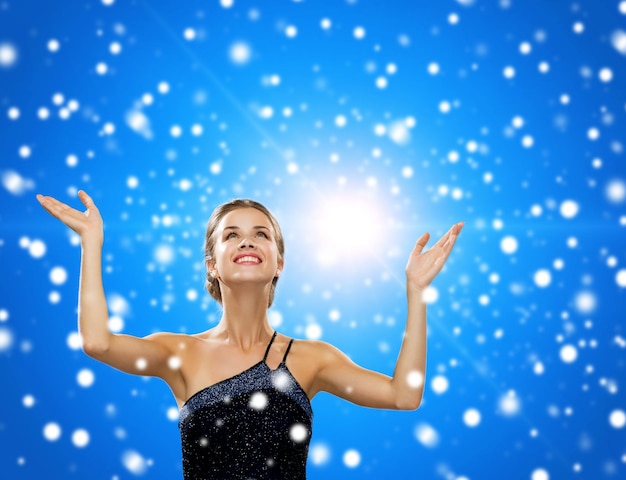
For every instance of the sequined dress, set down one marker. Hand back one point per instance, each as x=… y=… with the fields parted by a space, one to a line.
x=254 y=425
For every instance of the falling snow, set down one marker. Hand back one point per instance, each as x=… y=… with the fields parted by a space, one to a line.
x=351 y=458
x=362 y=127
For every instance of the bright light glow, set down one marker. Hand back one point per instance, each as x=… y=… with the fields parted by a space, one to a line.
x=347 y=227
x=240 y=53
x=85 y=378
x=281 y=380
x=415 y=379
x=134 y=462
x=617 y=419
x=172 y=414
x=351 y=458
x=15 y=183
x=540 y=474
x=615 y=191
x=319 y=454
x=313 y=331
x=509 y=404
x=8 y=55
x=439 y=384
x=140 y=123
x=258 y=401
x=52 y=431
x=359 y=33
x=6 y=339
x=426 y=435
x=471 y=417
x=298 y=433
x=399 y=133
x=164 y=254
x=80 y=438
x=542 y=278
x=618 y=40
x=585 y=302
x=568 y=353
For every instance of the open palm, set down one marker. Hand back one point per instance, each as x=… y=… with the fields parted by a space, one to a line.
x=87 y=224
x=422 y=268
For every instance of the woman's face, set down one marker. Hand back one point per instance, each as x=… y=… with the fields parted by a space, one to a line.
x=245 y=248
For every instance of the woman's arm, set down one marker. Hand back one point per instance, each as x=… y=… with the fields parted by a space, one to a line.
x=142 y=356
x=338 y=375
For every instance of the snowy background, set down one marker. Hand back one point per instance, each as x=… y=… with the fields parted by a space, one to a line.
x=361 y=124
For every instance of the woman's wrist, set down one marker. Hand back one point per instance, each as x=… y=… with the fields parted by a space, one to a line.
x=91 y=241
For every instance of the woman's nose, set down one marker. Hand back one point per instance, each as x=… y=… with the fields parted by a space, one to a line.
x=246 y=242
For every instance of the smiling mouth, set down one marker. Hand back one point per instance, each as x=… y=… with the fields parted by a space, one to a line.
x=248 y=259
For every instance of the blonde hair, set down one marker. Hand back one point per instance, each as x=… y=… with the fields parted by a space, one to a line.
x=212 y=285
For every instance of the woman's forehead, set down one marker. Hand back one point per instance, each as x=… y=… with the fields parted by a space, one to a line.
x=245 y=217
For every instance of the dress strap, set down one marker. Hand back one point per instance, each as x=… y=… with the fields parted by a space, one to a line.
x=269 y=346
x=287 y=351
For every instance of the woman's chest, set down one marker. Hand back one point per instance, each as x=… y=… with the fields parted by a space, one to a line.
x=203 y=367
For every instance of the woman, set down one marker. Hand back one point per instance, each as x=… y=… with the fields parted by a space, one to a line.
x=243 y=390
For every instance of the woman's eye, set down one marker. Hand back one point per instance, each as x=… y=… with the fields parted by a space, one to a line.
x=263 y=234
x=231 y=235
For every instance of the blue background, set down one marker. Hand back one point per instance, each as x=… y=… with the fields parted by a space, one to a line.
x=531 y=338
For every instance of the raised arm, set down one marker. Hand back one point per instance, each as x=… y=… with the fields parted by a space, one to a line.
x=338 y=375
x=141 y=356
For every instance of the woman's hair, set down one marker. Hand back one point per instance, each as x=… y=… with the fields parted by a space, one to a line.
x=212 y=284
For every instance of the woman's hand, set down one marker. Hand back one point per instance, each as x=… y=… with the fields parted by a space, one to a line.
x=87 y=224
x=422 y=268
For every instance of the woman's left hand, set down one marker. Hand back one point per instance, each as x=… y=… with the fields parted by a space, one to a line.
x=422 y=268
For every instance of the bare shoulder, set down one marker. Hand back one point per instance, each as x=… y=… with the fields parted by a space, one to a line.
x=312 y=359
x=318 y=352
x=174 y=342
x=168 y=338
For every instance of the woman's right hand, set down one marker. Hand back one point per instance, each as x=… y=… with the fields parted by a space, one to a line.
x=87 y=224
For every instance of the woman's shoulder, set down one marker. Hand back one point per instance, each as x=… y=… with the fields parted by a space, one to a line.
x=176 y=340
x=317 y=349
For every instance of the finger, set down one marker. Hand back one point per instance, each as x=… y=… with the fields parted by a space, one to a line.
x=42 y=201
x=457 y=228
x=60 y=210
x=450 y=243
x=45 y=205
x=49 y=200
x=452 y=239
x=421 y=243
x=444 y=238
x=86 y=199
x=51 y=204
x=451 y=235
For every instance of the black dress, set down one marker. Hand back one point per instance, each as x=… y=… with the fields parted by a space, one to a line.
x=254 y=425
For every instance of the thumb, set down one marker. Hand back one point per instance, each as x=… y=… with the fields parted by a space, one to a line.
x=421 y=243
x=86 y=199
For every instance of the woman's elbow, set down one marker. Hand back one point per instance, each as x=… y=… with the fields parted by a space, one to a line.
x=95 y=349
x=412 y=402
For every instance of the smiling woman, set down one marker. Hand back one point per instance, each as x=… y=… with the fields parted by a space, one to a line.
x=242 y=417
x=268 y=228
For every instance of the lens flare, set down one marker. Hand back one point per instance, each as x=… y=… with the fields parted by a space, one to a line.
x=347 y=228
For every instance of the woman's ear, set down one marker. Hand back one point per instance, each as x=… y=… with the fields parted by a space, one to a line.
x=281 y=265
x=210 y=267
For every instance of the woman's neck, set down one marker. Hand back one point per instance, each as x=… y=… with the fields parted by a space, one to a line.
x=244 y=320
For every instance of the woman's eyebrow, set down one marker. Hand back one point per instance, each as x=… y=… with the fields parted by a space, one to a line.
x=256 y=227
